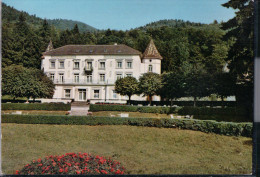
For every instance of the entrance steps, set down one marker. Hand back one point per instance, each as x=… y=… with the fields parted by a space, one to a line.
x=79 y=108
x=79 y=103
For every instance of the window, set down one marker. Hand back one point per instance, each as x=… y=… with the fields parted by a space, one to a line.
x=114 y=94
x=119 y=64
x=52 y=76
x=129 y=64
x=102 y=65
x=61 y=77
x=89 y=78
x=76 y=78
x=67 y=93
x=89 y=65
x=52 y=64
x=150 y=69
x=61 y=64
x=76 y=65
x=96 y=93
x=119 y=76
x=102 y=77
x=128 y=75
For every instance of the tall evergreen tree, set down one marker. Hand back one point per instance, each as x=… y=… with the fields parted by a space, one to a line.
x=240 y=56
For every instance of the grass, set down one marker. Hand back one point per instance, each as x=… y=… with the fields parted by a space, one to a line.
x=142 y=150
x=36 y=112
x=131 y=114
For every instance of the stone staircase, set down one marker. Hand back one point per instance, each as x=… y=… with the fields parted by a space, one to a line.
x=79 y=108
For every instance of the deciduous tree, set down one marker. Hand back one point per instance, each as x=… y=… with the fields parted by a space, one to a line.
x=127 y=86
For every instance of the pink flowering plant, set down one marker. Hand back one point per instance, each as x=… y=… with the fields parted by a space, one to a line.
x=72 y=163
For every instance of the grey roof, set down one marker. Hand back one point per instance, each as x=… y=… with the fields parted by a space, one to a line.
x=93 y=50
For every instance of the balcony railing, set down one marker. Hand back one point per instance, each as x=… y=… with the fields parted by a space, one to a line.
x=83 y=81
x=88 y=69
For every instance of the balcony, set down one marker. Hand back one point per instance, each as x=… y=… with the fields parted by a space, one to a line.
x=83 y=82
x=88 y=69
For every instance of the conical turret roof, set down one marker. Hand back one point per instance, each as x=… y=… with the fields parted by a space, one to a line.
x=50 y=47
x=151 y=51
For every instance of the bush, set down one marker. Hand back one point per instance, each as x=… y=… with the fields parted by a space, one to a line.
x=143 y=109
x=212 y=111
x=95 y=108
x=36 y=106
x=72 y=163
x=208 y=126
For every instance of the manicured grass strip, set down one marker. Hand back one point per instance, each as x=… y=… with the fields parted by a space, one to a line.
x=208 y=126
x=36 y=106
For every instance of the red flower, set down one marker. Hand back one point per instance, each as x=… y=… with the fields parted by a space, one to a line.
x=17 y=172
x=78 y=172
x=103 y=171
x=39 y=160
x=61 y=170
x=118 y=172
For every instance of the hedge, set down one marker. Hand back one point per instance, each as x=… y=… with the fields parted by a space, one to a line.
x=36 y=106
x=186 y=103
x=208 y=126
x=169 y=110
x=127 y=108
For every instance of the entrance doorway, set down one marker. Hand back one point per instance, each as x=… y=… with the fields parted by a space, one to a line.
x=82 y=95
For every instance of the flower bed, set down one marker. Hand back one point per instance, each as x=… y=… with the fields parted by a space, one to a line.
x=72 y=163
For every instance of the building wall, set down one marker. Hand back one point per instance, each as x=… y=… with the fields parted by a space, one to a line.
x=111 y=72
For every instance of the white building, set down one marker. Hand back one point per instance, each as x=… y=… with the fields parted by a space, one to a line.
x=89 y=72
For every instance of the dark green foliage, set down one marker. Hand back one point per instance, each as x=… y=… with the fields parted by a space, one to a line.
x=36 y=106
x=11 y=15
x=18 y=81
x=207 y=126
x=240 y=30
x=150 y=84
x=95 y=108
x=144 y=109
x=232 y=114
x=212 y=111
x=127 y=86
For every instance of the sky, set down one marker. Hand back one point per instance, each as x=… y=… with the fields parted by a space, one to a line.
x=125 y=14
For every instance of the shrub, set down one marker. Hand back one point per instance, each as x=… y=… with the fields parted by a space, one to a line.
x=105 y=107
x=208 y=126
x=72 y=163
x=143 y=109
x=212 y=111
x=36 y=106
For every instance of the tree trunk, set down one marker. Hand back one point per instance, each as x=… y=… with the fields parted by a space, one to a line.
x=129 y=99
x=171 y=102
x=150 y=100
x=194 y=103
x=222 y=101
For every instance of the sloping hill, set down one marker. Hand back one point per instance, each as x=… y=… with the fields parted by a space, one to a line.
x=11 y=15
x=173 y=23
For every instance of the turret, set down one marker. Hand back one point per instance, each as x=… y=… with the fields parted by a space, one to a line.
x=152 y=59
x=50 y=47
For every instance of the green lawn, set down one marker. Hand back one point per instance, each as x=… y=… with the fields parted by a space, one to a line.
x=142 y=150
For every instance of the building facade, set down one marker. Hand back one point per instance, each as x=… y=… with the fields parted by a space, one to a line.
x=89 y=72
